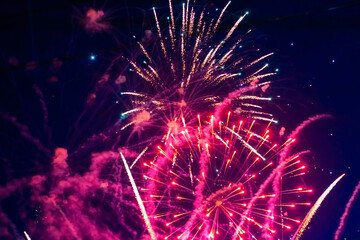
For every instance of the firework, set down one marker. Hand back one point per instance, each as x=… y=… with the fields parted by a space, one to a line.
x=138 y=198
x=218 y=167
x=27 y=236
x=207 y=162
x=314 y=208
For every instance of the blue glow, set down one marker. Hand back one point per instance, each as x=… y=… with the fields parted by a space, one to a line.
x=92 y=57
x=123 y=116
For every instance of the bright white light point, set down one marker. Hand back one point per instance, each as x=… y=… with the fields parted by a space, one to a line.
x=276 y=70
x=333 y=60
x=92 y=57
x=27 y=236
x=292 y=44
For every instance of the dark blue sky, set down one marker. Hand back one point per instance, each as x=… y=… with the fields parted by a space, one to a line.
x=316 y=45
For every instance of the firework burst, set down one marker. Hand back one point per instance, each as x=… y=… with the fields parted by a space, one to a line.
x=216 y=165
x=198 y=142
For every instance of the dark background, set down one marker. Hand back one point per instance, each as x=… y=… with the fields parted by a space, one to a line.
x=316 y=45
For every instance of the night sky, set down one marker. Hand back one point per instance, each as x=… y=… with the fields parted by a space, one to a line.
x=316 y=46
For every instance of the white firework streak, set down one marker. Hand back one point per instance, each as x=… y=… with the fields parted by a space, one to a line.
x=138 y=198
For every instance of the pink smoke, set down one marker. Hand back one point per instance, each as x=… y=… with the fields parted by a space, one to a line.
x=25 y=132
x=95 y=21
x=346 y=212
x=70 y=205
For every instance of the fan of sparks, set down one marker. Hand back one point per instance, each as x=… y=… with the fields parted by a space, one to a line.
x=213 y=163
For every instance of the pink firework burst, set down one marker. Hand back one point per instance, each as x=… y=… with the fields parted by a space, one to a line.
x=215 y=166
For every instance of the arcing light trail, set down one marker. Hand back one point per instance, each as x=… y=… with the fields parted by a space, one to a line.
x=313 y=210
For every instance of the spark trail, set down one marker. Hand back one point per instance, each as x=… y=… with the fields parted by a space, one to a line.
x=138 y=199
x=313 y=210
x=207 y=155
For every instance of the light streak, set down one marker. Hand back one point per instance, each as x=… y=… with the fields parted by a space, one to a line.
x=313 y=210
x=138 y=199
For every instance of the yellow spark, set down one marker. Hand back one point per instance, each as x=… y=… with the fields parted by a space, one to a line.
x=246 y=144
x=139 y=156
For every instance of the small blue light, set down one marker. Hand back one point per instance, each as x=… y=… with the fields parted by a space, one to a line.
x=276 y=70
x=92 y=57
x=333 y=60
x=123 y=116
x=292 y=44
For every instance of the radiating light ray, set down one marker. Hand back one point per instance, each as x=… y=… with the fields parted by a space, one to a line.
x=139 y=156
x=246 y=144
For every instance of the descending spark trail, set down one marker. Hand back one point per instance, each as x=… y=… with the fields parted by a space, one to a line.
x=313 y=210
x=347 y=211
x=27 y=235
x=138 y=198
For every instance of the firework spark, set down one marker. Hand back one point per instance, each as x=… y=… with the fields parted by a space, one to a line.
x=314 y=208
x=138 y=198
x=208 y=157
x=27 y=235
x=215 y=145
